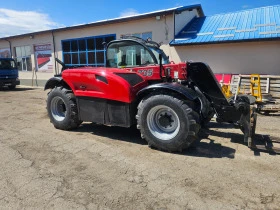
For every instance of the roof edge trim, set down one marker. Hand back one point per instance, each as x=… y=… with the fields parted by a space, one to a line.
x=225 y=42
x=114 y=20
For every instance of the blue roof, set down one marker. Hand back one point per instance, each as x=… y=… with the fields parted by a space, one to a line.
x=247 y=25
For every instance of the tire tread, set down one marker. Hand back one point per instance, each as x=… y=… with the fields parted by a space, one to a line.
x=73 y=121
x=190 y=114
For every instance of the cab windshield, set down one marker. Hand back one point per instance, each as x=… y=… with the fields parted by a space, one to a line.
x=7 y=64
x=132 y=54
x=157 y=51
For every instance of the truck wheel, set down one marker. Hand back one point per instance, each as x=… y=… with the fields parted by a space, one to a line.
x=167 y=123
x=62 y=109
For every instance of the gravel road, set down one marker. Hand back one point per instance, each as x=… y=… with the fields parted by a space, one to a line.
x=100 y=167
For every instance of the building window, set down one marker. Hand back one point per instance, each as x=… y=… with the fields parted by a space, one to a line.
x=145 y=35
x=23 y=57
x=5 y=53
x=89 y=51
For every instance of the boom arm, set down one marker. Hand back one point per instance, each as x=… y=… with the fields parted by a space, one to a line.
x=238 y=112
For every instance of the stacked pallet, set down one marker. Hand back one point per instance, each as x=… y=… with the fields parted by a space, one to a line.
x=270 y=84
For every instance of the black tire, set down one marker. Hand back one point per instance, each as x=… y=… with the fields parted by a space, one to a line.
x=12 y=87
x=206 y=120
x=62 y=109
x=167 y=123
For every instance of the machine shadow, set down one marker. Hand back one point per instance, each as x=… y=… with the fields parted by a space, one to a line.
x=17 y=89
x=115 y=133
x=208 y=149
x=259 y=139
x=220 y=125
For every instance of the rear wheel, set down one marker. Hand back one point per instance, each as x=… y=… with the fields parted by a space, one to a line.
x=167 y=123
x=62 y=109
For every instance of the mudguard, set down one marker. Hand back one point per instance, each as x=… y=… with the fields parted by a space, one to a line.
x=52 y=82
x=204 y=107
x=174 y=87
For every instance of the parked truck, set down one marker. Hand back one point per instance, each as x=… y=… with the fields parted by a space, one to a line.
x=139 y=86
x=8 y=73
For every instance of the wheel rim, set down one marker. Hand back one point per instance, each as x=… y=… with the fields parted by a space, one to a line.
x=58 y=108
x=163 y=122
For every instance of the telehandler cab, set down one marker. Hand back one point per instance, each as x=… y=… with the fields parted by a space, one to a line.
x=169 y=102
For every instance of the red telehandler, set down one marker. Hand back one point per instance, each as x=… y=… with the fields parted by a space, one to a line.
x=168 y=102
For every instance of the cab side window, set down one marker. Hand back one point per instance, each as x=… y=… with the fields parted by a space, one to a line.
x=128 y=54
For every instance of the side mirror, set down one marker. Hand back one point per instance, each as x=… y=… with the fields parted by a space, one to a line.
x=104 y=45
x=18 y=63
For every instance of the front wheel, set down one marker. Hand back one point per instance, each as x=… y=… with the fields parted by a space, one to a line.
x=167 y=123
x=62 y=109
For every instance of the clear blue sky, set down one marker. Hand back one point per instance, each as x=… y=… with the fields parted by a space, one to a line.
x=56 y=13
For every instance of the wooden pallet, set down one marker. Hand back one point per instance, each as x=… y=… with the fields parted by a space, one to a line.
x=270 y=84
x=270 y=89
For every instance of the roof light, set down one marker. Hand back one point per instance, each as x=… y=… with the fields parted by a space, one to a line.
x=245 y=30
x=269 y=32
x=266 y=24
x=205 y=33
x=224 y=36
x=224 y=29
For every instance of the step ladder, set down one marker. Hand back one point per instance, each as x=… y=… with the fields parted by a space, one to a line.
x=256 y=87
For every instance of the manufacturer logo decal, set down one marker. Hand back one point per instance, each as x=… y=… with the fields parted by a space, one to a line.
x=146 y=72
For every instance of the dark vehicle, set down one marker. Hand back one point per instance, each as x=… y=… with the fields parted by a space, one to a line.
x=8 y=73
x=168 y=102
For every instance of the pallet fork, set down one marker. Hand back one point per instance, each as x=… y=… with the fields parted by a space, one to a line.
x=263 y=143
x=239 y=110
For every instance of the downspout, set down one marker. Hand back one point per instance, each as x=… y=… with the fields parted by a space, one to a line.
x=10 y=47
x=174 y=15
x=54 y=52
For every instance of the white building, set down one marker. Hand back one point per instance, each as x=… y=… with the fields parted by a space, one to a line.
x=185 y=34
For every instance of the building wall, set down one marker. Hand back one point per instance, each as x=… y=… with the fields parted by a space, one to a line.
x=183 y=18
x=45 y=38
x=157 y=27
x=237 y=58
x=162 y=31
x=245 y=58
x=4 y=44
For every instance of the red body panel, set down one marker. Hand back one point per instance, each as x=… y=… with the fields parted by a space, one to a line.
x=83 y=81
x=153 y=72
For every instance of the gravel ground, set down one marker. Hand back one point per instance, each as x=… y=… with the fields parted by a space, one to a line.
x=99 y=167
